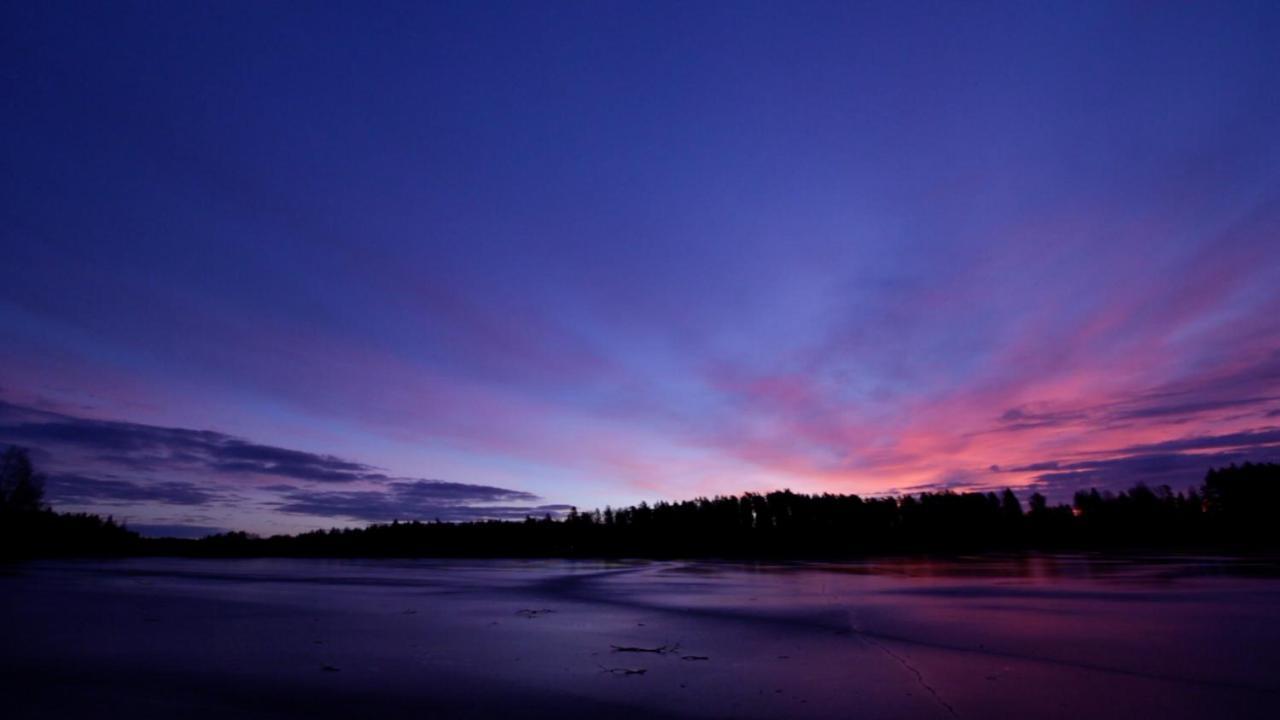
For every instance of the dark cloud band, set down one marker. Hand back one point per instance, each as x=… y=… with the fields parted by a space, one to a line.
x=95 y=449
x=151 y=447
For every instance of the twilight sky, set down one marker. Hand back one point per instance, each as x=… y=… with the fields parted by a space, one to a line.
x=274 y=267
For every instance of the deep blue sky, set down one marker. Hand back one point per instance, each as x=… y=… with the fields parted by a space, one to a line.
x=590 y=253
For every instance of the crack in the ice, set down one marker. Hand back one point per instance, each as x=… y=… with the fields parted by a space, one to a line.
x=904 y=663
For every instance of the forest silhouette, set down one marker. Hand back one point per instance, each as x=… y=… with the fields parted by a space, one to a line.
x=1233 y=510
x=30 y=528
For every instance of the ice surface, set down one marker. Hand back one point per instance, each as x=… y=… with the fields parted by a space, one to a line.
x=1045 y=636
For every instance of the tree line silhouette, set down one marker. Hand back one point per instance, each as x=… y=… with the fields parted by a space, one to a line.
x=1234 y=509
x=29 y=528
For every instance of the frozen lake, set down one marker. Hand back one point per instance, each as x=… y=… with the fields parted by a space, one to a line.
x=1053 y=637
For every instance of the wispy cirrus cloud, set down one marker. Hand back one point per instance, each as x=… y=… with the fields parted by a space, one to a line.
x=1177 y=462
x=1250 y=391
x=1247 y=439
x=1177 y=470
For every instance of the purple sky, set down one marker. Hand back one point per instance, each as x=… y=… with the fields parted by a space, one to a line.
x=275 y=268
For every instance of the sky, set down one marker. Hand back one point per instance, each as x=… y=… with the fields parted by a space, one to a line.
x=275 y=266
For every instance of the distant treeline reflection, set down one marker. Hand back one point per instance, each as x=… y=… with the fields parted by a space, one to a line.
x=1234 y=509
